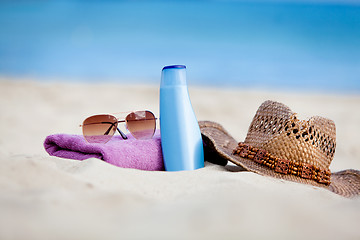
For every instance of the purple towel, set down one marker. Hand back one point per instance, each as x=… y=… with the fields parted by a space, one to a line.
x=130 y=153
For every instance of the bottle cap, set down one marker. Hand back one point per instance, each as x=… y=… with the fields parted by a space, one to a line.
x=174 y=66
x=173 y=75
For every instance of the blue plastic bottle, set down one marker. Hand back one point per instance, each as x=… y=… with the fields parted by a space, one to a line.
x=181 y=140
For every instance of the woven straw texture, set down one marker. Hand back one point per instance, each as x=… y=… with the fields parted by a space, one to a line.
x=276 y=129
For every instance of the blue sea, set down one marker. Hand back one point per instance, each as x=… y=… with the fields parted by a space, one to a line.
x=312 y=45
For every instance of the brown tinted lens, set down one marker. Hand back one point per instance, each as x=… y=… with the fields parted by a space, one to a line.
x=99 y=128
x=141 y=124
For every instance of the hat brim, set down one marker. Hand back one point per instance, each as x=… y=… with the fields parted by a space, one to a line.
x=218 y=141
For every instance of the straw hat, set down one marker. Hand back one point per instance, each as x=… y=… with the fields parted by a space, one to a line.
x=280 y=145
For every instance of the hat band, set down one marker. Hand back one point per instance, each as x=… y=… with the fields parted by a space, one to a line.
x=283 y=166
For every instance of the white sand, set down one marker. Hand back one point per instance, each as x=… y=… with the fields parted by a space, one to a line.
x=43 y=197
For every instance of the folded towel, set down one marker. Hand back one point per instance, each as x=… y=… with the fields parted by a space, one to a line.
x=130 y=153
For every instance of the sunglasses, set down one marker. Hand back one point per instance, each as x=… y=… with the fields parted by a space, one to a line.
x=101 y=128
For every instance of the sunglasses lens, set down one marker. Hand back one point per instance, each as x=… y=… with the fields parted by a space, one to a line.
x=141 y=124
x=99 y=128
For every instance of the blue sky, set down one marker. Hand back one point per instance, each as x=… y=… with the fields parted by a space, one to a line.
x=230 y=43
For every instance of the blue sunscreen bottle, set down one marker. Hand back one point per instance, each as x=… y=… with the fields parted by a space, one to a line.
x=181 y=140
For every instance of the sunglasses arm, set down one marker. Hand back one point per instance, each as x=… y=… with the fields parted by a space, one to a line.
x=122 y=134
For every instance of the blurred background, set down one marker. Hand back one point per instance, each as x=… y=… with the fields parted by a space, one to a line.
x=306 y=45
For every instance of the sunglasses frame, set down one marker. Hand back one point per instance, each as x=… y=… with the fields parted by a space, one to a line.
x=122 y=134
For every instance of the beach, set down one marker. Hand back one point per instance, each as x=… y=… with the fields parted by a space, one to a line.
x=45 y=197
